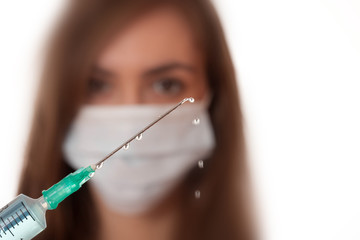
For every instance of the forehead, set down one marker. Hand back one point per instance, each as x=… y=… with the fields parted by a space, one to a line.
x=161 y=35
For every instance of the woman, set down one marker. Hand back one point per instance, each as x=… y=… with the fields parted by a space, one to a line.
x=139 y=55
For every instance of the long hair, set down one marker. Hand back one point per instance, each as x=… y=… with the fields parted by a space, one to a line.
x=222 y=211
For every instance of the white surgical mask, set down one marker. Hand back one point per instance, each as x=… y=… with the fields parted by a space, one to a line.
x=134 y=180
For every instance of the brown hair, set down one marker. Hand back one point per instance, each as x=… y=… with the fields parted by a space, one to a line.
x=221 y=212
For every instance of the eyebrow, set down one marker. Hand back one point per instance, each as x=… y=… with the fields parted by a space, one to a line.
x=151 y=72
x=168 y=67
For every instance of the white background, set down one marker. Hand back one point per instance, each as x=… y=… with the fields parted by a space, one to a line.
x=298 y=64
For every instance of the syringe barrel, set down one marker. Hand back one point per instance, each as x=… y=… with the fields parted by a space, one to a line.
x=22 y=218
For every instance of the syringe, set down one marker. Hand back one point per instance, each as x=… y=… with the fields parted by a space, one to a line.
x=24 y=217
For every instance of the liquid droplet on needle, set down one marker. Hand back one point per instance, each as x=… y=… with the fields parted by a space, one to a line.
x=139 y=137
x=126 y=147
x=201 y=164
x=196 y=121
x=190 y=99
x=197 y=194
x=100 y=165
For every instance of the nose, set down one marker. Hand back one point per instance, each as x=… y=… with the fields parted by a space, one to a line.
x=128 y=93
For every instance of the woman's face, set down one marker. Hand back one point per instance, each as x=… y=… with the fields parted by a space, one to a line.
x=156 y=59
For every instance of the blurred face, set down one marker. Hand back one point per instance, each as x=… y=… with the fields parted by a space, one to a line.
x=154 y=60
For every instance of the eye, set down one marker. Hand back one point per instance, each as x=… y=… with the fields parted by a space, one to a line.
x=97 y=85
x=169 y=86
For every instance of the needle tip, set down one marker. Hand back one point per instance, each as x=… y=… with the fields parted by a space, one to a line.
x=190 y=99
